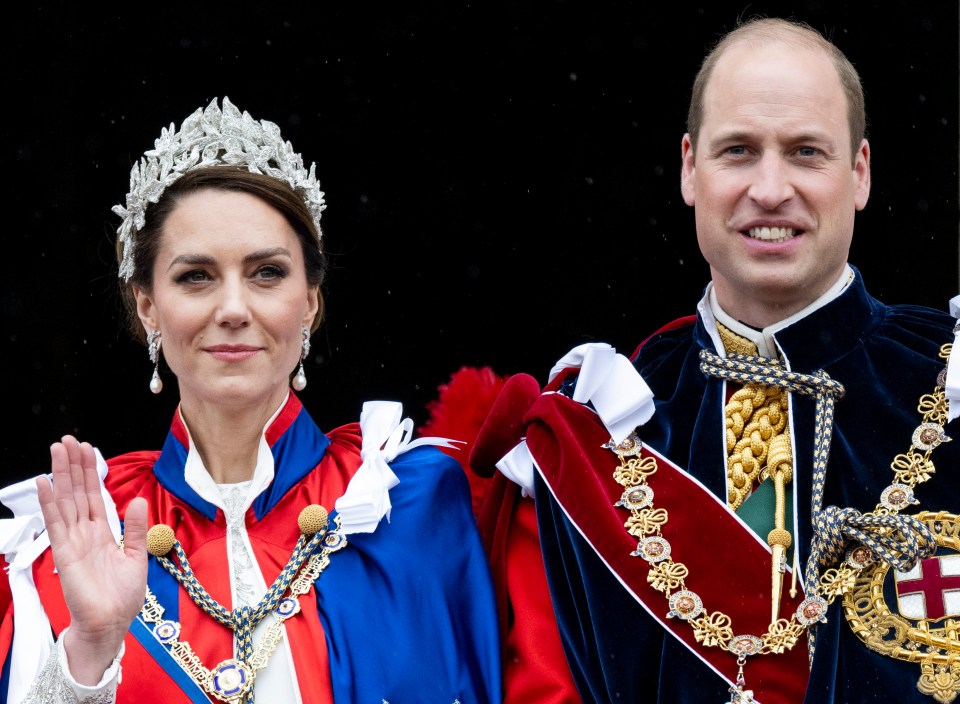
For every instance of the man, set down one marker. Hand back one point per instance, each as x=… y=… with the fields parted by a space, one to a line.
x=758 y=505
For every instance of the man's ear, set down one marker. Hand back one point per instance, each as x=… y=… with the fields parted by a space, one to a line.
x=861 y=175
x=688 y=171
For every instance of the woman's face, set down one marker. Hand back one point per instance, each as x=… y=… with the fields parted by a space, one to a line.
x=229 y=297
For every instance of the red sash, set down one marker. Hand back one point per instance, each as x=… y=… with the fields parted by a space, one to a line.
x=729 y=566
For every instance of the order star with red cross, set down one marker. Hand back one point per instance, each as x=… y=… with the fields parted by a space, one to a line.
x=931 y=590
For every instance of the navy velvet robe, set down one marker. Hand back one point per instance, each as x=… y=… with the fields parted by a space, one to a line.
x=886 y=357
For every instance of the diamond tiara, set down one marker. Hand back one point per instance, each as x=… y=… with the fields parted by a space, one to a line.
x=211 y=137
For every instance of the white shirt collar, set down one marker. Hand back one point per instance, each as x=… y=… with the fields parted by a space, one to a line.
x=199 y=479
x=764 y=339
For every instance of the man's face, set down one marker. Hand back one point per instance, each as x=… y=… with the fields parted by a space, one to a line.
x=772 y=181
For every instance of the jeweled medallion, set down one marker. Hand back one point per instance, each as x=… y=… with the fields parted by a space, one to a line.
x=629 y=447
x=167 y=631
x=685 y=605
x=744 y=645
x=636 y=498
x=230 y=680
x=333 y=541
x=928 y=435
x=859 y=557
x=897 y=496
x=812 y=610
x=287 y=607
x=652 y=549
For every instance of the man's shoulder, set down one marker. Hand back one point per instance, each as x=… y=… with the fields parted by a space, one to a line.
x=678 y=329
x=914 y=327
x=664 y=353
x=920 y=317
x=676 y=334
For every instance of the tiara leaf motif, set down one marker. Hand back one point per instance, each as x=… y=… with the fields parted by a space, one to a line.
x=210 y=137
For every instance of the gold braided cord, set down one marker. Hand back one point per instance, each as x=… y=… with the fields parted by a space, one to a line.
x=302 y=570
x=758 y=448
x=753 y=417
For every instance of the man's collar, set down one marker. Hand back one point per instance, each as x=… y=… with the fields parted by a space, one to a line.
x=764 y=339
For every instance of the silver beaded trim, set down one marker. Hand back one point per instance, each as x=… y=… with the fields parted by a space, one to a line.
x=53 y=686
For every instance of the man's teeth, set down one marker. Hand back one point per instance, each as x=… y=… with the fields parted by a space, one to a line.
x=772 y=234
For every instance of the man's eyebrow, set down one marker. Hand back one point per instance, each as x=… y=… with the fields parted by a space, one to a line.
x=735 y=136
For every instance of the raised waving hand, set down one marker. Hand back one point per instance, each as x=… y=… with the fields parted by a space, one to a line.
x=103 y=585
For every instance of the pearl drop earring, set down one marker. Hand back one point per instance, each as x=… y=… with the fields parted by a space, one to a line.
x=153 y=349
x=299 y=382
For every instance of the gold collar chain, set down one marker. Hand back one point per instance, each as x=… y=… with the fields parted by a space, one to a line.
x=232 y=680
x=714 y=629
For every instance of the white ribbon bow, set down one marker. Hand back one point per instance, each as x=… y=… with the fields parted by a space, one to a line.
x=610 y=382
x=384 y=437
x=952 y=390
x=23 y=539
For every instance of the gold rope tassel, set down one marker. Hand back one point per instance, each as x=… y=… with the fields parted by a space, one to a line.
x=753 y=416
x=780 y=471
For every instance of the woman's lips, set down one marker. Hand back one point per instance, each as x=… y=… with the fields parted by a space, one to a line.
x=232 y=353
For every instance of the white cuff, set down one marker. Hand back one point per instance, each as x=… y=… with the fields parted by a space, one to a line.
x=517 y=466
x=109 y=681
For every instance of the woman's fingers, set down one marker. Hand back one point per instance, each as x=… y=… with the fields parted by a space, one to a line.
x=91 y=482
x=73 y=507
x=77 y=495
x=49 y=509
x=135 y=527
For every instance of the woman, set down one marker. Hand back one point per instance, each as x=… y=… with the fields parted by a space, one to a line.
x=244 y=586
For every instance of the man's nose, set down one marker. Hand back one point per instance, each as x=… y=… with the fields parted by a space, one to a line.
x=771 y=183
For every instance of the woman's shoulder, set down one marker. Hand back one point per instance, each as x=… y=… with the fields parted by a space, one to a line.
x=128 y=474
x=346 y=436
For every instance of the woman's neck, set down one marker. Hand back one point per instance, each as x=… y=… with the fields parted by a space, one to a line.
x=227 y=440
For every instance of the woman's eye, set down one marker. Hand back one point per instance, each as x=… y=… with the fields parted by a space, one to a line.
x=192 y=277
x=270 y=272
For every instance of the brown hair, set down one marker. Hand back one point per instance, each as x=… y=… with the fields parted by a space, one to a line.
x=766 y=29
x=273 y=191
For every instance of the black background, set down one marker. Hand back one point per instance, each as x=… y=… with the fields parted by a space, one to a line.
x=502 y=182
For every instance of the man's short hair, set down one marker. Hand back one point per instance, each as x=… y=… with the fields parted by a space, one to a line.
x=766 y=29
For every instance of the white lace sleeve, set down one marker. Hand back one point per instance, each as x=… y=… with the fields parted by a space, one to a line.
x=55 y=684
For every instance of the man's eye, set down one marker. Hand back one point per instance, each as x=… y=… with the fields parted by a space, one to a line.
x=808 y=151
